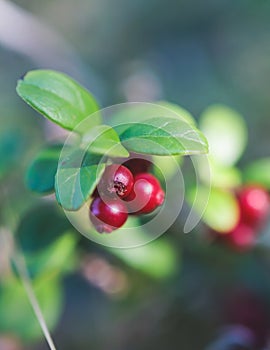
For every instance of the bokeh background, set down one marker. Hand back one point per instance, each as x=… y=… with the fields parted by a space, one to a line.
x=178 y=290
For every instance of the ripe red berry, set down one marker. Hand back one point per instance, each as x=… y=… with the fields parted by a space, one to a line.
x=138 y=165
x=146 y=195
x=117 y=179
x=241 y=238
x=108 y=214
x=254 y=204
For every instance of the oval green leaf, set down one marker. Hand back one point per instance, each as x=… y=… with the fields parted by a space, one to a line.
x=258 y=172
x=104 y=140
x=56 y=96
x=226 y=177
x=159 y=259
x=226 y=132
x=222 y=210
x=11 y=146
x=44 y=218
x=56 y=259
x=17 y=315
x=77 y=177
x=40 y=176
x=163 y=136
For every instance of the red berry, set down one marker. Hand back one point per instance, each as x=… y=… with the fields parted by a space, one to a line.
x=254 y=204
x=138 y=164
x=117 y=179
x=241 y=238
x=108 y=214
x=146 y=195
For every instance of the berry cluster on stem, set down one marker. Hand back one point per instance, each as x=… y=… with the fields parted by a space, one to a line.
x=253 y=201
x=124 y=189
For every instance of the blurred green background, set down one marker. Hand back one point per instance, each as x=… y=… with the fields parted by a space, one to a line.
x=175 y=294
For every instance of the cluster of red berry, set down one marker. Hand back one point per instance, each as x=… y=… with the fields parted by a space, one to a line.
x=253 y=201
x=124 y=189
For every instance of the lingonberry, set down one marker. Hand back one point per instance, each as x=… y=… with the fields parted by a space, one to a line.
x=241 y=238
x=137 y=164
x=108 y=214
x=117 y=179
x=146 y=195
x=254 y=204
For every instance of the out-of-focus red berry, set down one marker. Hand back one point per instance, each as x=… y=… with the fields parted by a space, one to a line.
x=254 y=204
x=241 y=238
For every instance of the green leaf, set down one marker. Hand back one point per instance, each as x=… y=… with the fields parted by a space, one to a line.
x=157 y=259
x=40 y=227
x=55 y=259
x=258 y=172
x=104 y=140
x=17 y=315
x=11 y=146
x=162 y=136
x=77 y=177
x=56 y=96
x=221 y=176
x=40 y=176
x=226 y=132
x=222 y=210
